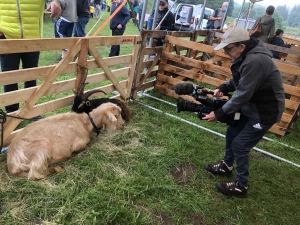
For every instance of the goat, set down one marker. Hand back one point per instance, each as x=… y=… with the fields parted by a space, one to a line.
x=82 y=104
x=54 y=139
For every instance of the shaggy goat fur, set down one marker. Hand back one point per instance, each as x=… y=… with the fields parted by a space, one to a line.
x=54 y=139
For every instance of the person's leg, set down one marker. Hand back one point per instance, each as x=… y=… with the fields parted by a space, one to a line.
x=30 y=60
x=243 y=143
x=231 y=133
x=115 y=49
x=68 y=30
x=225 y=166
x=10 y=62
x=80 y=25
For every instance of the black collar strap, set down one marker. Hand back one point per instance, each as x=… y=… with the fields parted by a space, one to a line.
x=95 y=129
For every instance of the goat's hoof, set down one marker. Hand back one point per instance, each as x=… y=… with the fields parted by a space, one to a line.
x=59 y=169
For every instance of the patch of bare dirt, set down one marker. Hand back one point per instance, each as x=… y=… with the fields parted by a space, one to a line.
x=163 y=219
x=183 y=173
x=196 y=220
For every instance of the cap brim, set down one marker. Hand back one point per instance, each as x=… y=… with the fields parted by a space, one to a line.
x=220 y=46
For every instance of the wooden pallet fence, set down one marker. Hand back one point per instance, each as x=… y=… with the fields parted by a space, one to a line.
x=50 y=81
x=146 y=69
x=174 y=68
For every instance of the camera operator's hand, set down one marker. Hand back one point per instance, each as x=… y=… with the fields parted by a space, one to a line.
x=218 y=93
x=210 y=117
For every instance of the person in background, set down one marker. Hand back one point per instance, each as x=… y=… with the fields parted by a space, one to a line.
x=118 y=24
x=83 y=17
x=92 y=11
x=267 y=25
x=215 y=20
x=167 y=23
x=97 y=6
x=65 y=23
x=22 y=20
x=257 y=104
x=140 y=10
x=277 y=40
x=108 y=5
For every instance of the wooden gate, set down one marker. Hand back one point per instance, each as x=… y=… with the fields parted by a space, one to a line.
x=119 y=80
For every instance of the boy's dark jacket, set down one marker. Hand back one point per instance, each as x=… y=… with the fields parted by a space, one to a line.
x=122 y=17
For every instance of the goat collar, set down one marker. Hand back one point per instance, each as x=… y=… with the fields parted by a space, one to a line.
x=95 y=129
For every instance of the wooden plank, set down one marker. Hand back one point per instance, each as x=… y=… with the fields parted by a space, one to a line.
x=277 y=130
x=283 y=49
x=285 y=68
x=291 y=41
x=152 y=50
x=140 y=66
x=196 y=46
x=133 y=64
x=146 y=85
x=112 y=40
x=35 y=45
x=292 y=90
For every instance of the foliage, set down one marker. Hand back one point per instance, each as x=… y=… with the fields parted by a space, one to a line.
x=283 y=11
x=294 y=17
x=278 y=21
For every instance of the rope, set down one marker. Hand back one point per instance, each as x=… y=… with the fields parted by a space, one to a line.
x=3 y=116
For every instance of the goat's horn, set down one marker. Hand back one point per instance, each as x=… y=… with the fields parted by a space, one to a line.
x=89 y=93
x=81 y=88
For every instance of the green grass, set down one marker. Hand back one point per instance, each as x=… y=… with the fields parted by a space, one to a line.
x=152 y=172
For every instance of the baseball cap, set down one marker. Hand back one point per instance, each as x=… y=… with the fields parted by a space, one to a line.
x=163 y=0
x=234 y=34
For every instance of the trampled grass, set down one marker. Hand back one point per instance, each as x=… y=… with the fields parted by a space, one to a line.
x=152 y=172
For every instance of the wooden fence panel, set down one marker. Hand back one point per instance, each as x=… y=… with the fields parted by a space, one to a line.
x=119 y=80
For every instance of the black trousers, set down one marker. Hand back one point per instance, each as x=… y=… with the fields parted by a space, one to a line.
x=115 y=49
x=12 y=62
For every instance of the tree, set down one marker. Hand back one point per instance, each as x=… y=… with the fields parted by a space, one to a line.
x=278 y=21
x=294 y=17
x=283 y=11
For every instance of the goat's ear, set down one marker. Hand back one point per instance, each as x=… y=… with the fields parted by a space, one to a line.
x=74 y=92
x=111 y=117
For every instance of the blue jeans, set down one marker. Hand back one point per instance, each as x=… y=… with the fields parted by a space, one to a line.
x=240 y=140
x=115 y=49
x=79 y=27
x=12 y=62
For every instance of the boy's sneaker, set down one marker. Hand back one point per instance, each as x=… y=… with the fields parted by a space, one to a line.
x=232 y=188
x=220 y=168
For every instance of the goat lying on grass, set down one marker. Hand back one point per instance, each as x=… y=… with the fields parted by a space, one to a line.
x=82 y=104
x=55 y=138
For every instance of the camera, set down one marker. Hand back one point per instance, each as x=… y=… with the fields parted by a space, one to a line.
x=200 y=95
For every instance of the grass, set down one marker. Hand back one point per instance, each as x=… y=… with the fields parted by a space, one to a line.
x=152 y=172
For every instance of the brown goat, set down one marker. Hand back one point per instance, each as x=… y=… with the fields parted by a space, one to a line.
x=54 y=139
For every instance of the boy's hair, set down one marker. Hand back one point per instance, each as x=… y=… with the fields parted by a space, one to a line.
x=278 y=31
x=270 y=10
